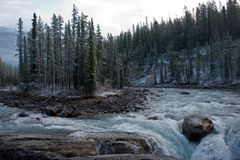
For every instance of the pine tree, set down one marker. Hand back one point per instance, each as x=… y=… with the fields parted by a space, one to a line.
x=69 y=56
x=50 y=60
x=77 y=69
x=83 y=50
x=25 y=66
x=90 y=85
x=20 y=48
x=60 y=67
x=116 y=70
x=74 y=23
x=99 y=55
x=34 y=67
x=40 y=47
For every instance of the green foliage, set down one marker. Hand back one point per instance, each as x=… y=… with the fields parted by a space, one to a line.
x=33 y=54
x=90 y=82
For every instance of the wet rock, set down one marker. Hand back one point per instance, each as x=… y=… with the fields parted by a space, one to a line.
x=184 y=92
x=23 y=114
x=153 y=118
x=151 y=93
x=121 y=143
x=195 y=127
x=51 y=111
x=146 y=90
x=161 y=91
x=104 y=146
x=127 y=157
x=43 y=147
x=118 y=148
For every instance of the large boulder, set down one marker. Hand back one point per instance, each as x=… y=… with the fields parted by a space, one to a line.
x=197 y=126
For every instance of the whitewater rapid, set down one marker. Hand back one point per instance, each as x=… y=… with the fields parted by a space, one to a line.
x=169 y=107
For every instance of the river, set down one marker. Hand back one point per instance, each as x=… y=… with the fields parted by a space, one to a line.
x=169 y=107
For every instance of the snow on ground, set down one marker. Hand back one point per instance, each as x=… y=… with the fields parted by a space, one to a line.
x=109 y=93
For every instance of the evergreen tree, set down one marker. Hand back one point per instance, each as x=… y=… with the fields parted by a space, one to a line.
x=90 y=85
x=40 y=47
x=25 y=66
x=74 y=23
x=34 y=66
x=20 y=48
x=77 y=69
x=101 y=60
x=50 y=60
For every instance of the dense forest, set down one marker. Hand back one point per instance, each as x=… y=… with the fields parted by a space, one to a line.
x=60 y=56
x=199 y=47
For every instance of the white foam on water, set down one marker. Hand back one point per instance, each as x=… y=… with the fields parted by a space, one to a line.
x=78 y=134
x=223 y=108
x=212 y=147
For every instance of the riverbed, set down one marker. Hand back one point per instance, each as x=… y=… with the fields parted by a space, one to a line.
x=162 y=123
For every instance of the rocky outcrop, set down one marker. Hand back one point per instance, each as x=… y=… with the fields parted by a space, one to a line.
x=196 y=127
x=104 y=146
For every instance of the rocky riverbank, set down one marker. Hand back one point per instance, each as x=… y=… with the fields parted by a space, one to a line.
x=125 y=101
x=94 y=146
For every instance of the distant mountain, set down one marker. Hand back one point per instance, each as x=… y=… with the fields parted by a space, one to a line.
x=8 y=45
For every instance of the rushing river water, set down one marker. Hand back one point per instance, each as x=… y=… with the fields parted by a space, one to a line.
x=169 y=107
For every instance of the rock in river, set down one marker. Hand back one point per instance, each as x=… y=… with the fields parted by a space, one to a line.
x=195 y=127
x=184 y=92
x=23 y=114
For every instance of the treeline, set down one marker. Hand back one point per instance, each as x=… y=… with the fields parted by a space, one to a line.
x=64 y=56
x=8 y=74
x=200 y=46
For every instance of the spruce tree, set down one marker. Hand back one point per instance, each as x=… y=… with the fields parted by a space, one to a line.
x=83 y=50
x=25 y=66
x=34 y=67
x=90 y=83
x=20 y=48
x=77 y=69
x=99 y=55
x=50 y=59
x=40 y=47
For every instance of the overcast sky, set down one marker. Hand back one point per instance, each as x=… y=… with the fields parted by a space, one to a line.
x=112 y=15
